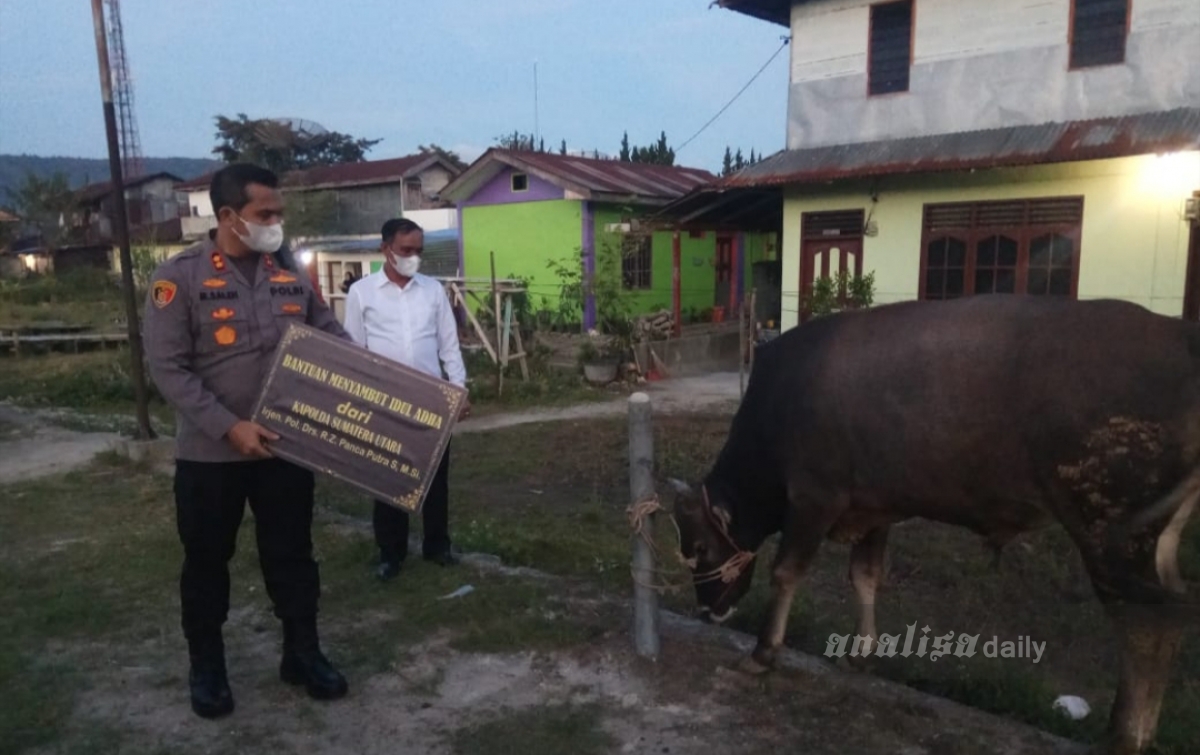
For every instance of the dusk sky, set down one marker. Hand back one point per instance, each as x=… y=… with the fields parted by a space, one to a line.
x=455 y=72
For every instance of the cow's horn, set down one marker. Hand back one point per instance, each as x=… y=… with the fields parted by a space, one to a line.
x=679 y=486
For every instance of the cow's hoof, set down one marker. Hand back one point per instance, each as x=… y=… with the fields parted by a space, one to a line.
x=748 y=665
x=764 y=656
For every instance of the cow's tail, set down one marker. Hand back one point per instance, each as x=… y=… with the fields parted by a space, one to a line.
x=1162 y=509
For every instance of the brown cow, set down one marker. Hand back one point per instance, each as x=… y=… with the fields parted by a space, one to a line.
x=1001 y=414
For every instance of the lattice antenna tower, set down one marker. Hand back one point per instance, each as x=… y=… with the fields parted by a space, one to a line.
x=132 y=165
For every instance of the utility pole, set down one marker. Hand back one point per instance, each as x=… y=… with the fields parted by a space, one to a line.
x=121 y=229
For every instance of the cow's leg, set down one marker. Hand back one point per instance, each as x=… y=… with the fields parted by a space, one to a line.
x=797 y=547
x=866 y=574
x=1143 y=596
x=1149 y=642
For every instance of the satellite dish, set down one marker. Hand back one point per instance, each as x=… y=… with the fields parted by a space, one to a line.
x=283 y=133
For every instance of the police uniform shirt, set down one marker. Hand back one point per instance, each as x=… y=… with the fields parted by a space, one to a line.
x=210 y=336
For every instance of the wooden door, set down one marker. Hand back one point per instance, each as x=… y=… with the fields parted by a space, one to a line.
x=824 y=258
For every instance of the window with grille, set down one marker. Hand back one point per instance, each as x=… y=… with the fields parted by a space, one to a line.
x=1017 y=247
x=890 y=53
x=1099 y=29
x=636 y=259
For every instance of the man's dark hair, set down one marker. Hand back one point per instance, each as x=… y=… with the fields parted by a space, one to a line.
x=400 y=226
x=228 y=187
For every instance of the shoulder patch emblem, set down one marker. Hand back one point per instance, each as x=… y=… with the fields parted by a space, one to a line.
x=218 y=262
x=214 y=283
x=163 y=293
x=224 y=313
x=292 y=309
x=283 y=278
x=225 y=335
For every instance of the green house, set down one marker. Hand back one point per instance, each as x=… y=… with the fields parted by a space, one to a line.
x=528 y=209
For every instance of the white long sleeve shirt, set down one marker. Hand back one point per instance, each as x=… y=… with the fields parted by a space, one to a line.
x=413 y=325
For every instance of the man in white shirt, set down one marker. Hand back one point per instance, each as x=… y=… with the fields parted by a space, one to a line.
x=407 y=317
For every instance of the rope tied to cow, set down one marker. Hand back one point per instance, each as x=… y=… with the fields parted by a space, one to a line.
x=639 y=515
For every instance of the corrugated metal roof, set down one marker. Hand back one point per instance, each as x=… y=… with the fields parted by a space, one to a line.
x=198 y=183
x=360 y=174
x=1103 y=138
x=640 y=183
x=440 y=258
x=93 y=192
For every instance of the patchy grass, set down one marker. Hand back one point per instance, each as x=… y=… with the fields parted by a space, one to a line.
x=80 y=297
x=553 y=496
x=95 y=386
x=88 y=565
x=88 y=582
x=545 y=730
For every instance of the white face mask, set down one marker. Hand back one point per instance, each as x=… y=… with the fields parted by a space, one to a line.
x=261 y=238
x=406 y=266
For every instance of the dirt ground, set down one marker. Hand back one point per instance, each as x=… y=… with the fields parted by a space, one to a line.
x=31 y=448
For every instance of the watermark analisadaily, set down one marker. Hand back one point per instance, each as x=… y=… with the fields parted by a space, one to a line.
x=961 y=645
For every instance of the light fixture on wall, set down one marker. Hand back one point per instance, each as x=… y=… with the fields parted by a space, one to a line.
x=1170 y=174
x=870 y=228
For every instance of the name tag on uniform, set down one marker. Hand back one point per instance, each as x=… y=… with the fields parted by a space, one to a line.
x=344 y=411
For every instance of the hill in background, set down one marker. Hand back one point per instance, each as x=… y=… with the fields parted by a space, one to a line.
x=83 y=170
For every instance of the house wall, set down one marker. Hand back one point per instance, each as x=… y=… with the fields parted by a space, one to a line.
x=199 y=204
x=524 y=236
x=1134 y=238
x=364 y=209
x=499 y=191
x=981 y=64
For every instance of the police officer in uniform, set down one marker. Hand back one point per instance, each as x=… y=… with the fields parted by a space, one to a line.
x=214 y=316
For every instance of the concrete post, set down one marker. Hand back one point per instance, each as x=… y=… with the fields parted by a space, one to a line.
x=641 y=488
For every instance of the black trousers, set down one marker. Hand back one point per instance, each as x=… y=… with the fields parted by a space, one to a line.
x=391 y=523
x=210 y=499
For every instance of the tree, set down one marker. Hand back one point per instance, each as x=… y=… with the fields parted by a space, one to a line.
x=434 y=149
x=517 y=142
x=658 y=153
x=727 y=163
x=280 y=147
x=739 y=162
x=46 y=204
x=562 y=150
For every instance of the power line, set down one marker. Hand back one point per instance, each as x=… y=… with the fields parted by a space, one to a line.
x=786 y=39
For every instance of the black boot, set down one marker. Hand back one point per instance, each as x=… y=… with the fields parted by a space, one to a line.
x=303 y=662
x=209 y=685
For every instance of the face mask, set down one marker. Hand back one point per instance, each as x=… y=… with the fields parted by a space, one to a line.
x=261 y=238
x=406 y=266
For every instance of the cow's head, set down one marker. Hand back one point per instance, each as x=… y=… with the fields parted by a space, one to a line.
x=721 y=569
